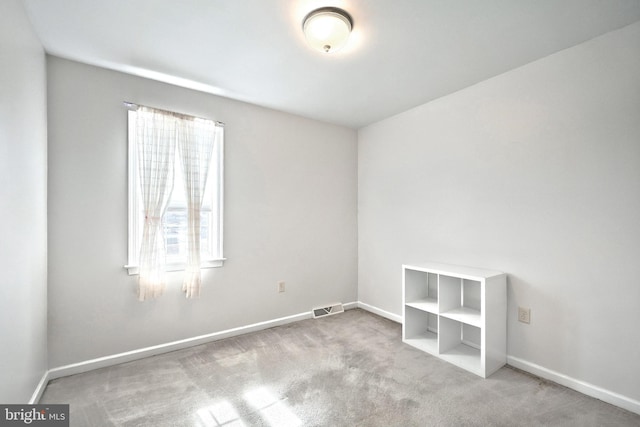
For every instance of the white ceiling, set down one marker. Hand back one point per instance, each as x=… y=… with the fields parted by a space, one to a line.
x=402 y=53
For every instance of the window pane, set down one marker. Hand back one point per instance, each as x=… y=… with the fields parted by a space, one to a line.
x=175 y=234
x=205 y=235
x=175 y=228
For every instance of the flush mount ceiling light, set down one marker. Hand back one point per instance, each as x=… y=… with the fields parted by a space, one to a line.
x=327 y=29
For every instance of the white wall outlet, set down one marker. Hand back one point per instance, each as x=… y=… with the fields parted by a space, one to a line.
x=524 y=315
x=280 y=286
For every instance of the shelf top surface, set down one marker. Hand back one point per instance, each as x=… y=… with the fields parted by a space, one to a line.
x=426 y=304
x=465 y=315
x=453 y=270
x=423 y=301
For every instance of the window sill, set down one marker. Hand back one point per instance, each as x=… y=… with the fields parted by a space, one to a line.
x=212 y=263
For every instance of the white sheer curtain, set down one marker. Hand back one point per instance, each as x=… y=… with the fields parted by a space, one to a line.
x=155 y=135
x=196 y=141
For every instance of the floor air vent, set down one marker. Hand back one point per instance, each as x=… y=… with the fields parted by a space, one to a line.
x=327 y=311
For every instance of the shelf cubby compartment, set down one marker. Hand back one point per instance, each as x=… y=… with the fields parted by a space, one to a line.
x=460 y=344
x=421 y=290
x=461 y=300
x=422 y=330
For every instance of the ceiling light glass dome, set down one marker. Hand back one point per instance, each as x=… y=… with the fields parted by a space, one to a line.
x=327 y=29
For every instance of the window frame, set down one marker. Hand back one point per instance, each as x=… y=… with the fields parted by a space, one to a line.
x=134 y=230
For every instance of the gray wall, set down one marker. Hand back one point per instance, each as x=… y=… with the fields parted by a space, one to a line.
x=290 y=215
x=23 y=206
x=535 y=172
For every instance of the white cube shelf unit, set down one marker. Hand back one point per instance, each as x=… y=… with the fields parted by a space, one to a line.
x=456 y=313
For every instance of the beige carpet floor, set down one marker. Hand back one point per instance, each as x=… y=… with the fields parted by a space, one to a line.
x=351 y=369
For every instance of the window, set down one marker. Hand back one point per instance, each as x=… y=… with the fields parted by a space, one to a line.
x=174 y=220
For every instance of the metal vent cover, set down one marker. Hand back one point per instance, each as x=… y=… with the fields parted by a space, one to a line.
x=327 y=310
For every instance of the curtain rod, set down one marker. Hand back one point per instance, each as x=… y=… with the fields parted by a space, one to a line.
x=133 y=106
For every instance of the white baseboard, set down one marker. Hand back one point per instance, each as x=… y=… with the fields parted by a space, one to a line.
x=37 y=394
x=115 y=359
x=380 y=312
x=578 y=385
x=350 y=305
